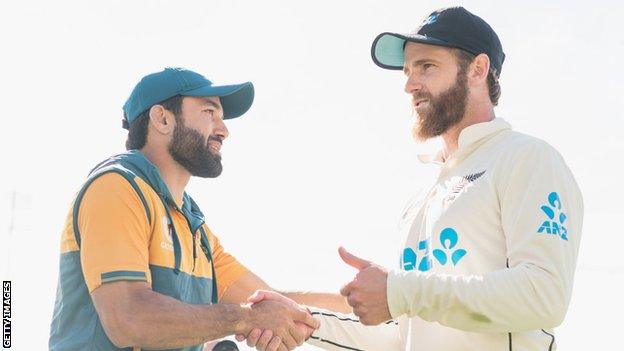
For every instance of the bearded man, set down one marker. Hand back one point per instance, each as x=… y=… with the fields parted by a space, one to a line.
x=139 y=267
x=491 y=246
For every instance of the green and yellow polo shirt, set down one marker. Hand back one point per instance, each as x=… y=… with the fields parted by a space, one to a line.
x=125 y=225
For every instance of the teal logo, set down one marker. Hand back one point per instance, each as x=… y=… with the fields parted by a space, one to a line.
x=431 y=19
x=449 y=239
x=556 y=218
x=448 y=253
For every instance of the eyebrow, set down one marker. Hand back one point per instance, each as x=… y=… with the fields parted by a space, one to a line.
x=211 y=103
x=420 y=62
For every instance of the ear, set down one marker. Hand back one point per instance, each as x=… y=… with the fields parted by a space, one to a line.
x=161 y=119
x=479 y=68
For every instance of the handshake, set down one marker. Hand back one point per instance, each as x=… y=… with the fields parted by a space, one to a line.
x=276 y=322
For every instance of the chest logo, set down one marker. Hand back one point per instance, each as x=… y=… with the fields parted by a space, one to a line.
x=457 y=185
x=554 y=224
x=447 y=252
x=167 y=228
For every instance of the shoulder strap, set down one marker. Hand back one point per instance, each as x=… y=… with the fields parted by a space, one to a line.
x=127 y=175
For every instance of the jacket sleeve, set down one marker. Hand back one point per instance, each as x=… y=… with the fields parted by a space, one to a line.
x=342 y=332
x=541 y=216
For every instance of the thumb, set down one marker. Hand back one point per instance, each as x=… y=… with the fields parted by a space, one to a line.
x=352 y=260
x=258 y=296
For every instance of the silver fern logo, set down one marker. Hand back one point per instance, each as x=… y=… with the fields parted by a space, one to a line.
x=457 y=185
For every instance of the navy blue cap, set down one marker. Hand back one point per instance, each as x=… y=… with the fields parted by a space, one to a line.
x=157 y=87
x=453 y=27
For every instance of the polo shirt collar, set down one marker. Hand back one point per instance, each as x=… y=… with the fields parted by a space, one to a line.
x=140 y=165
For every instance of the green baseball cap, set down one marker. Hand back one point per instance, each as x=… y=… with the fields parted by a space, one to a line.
x=235 y=99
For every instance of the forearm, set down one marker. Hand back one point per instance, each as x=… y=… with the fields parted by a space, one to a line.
x=344 y=332
x=328 y=301
x=525 y=297
x=156 y=321
x=245 y=286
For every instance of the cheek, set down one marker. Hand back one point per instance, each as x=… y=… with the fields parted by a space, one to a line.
x=199 y=125
x=439 y=80
x=204 y=130
x=440 y=87
x=433 y=82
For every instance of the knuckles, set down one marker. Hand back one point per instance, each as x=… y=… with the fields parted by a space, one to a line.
x=353 y=300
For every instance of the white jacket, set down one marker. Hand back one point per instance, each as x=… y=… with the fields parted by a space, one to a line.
x=489 y=256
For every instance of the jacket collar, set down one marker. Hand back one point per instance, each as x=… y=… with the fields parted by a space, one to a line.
x=468 y=137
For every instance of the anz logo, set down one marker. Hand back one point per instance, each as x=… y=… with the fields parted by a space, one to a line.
x=554 y=223
x=448 y=252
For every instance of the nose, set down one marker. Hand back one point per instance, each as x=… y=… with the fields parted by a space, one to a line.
x=413 y=84
x=221 y=129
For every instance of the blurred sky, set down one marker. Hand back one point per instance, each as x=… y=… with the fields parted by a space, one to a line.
x=324 y=157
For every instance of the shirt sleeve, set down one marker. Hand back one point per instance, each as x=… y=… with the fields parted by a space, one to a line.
x=541 y=215
x=228 y=269
x=114 y=232
x=342 y=332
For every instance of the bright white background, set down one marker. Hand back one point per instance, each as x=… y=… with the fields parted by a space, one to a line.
x=324 y=157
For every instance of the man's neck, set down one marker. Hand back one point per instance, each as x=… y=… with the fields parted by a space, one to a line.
x=173 y=174
x=451 y=137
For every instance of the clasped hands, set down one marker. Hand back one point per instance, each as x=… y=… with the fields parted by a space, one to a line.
x=280 y=324
x=366 y=294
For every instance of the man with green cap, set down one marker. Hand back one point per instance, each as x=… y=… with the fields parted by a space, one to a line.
x=139 y=267
x=491 y=246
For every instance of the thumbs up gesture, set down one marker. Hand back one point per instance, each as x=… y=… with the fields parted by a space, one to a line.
x=366 y=293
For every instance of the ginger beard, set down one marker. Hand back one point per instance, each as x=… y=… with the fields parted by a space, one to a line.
x=442 y=111
x=188 y=148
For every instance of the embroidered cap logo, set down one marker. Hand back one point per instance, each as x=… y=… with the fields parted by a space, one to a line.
x=431 y=19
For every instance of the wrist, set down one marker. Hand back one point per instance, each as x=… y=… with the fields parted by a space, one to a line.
x=316 y=317
x=241 y=322
x=402 y=290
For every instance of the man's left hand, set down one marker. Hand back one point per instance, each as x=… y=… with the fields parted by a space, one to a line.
x=366 y=293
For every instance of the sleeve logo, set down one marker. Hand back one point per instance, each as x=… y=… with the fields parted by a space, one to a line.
x=554 y=224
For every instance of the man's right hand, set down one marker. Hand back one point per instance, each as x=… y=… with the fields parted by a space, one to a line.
x=286 y=325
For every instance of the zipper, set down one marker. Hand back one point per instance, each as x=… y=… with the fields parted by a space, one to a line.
x=205 y=246
x=194 y=250
x=177 y=251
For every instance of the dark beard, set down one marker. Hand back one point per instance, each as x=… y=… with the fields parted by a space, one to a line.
x=187 y=147
x=444 y=111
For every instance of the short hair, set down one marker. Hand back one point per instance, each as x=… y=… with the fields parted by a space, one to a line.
x=464 y=58
x=137 y=131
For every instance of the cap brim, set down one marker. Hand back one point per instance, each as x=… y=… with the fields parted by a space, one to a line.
x=235 y=99
x=388 y=48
